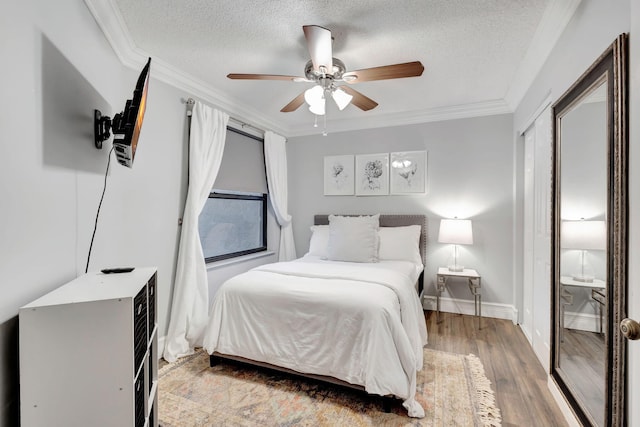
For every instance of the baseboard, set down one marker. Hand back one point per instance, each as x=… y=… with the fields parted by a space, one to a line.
x=566 y=410
x=526 y=334
x=461 y=306
x=583 y=322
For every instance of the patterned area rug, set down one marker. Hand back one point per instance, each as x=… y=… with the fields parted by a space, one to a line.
x=452 y=389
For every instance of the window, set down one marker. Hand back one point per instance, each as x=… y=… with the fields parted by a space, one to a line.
x=233 y=224
x=234 y=219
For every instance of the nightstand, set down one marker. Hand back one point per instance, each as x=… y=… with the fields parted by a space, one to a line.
x=473 y=280
x=598 y=294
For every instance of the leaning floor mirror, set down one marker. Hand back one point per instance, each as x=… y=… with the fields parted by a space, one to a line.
x=589 y=240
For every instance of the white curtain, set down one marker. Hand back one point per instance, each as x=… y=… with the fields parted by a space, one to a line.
x=275 y=156
x=189 y=310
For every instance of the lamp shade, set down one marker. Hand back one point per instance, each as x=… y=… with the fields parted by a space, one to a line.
x=341 y=98
x=314 y=95
x=456 y=231
x=315 y=98
x=584 y=235
x=318 y=108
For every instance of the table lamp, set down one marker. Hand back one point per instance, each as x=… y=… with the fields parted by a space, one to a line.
x=583 y=235
x=456 y=232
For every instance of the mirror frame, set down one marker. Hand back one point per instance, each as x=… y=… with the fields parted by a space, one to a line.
x=613 y=64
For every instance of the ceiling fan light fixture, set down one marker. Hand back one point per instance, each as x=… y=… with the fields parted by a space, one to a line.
x=341 y=98
x=315 y=98
x=325 y=71
x=318 y=108
x=313 y=95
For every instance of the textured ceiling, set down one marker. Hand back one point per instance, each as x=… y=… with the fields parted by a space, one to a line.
x=474 y=52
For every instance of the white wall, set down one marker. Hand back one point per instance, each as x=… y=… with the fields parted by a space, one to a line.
x=39 y=230
x=58 y=67
x=633 y=296
x=594 y=26
x=470 y=175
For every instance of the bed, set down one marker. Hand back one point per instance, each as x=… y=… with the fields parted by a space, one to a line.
x=347 y=312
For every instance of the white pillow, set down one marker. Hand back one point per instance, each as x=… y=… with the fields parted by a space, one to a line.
x=319 y=242
x=353 y=238
x=400 y=243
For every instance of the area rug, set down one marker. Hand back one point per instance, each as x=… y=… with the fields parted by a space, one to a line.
x=452 y=389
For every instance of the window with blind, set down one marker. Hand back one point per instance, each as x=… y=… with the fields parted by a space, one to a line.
x=233 y=221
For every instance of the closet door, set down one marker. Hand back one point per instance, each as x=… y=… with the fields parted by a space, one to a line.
x=526 y=322
x=537 y=236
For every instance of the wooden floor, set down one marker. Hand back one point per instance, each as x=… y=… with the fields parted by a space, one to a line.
x=583 y=359
x=518 y=379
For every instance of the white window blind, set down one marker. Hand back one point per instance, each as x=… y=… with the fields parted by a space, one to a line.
x=242 y=167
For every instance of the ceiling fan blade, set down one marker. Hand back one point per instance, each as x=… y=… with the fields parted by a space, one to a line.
x=386 y=72
x=263 y=77
x=294 y=104
x=319 y=45
x=359 y=100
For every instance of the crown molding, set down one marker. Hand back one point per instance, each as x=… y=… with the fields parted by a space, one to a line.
x=110 y=20
x=554 y=20
x=439 y=114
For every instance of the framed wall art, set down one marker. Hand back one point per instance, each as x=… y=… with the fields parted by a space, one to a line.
x=339 y=175
x=408 y=172
x=372 y=174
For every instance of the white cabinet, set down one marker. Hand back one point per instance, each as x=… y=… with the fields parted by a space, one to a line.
x=88 y=353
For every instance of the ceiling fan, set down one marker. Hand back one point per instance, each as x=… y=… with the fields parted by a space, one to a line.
x=325 y=71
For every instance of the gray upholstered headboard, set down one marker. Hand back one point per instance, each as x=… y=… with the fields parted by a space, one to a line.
x=392 y=220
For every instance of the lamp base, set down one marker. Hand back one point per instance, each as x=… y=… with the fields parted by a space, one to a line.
x=582 y=278
x=456 y=268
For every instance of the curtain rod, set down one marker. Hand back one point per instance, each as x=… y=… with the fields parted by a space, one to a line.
x=190 y=103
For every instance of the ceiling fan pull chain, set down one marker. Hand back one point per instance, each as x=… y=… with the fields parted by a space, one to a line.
x=324 y=132
x=315 y=120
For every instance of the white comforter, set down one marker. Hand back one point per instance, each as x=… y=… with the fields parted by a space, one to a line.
x=361 y=323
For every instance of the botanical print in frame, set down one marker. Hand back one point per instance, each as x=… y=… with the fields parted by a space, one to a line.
x=372 y=174
x=408 y=173
x=338 y=175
